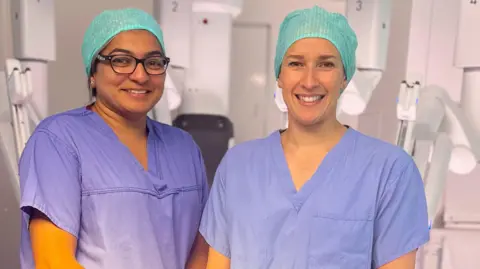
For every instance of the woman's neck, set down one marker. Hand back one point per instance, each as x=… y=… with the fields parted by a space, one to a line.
x=322 y=136
x=121 y=125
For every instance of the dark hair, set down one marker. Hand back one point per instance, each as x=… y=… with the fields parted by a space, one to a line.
x=93 y=91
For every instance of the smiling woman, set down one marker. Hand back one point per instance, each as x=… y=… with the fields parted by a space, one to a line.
x=318 y=194
x=315 y=64
x=104 y=186
x=121 y=83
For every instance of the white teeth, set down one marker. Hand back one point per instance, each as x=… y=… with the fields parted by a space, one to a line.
x=137 y=92
x=310 y=98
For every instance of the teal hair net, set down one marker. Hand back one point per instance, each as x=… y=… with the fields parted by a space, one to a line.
x=317 y=22
x=108 y=24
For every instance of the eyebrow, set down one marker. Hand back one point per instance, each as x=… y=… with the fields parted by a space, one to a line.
x=321 y=57
x=151 y=53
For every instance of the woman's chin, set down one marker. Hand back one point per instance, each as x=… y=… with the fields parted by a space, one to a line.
x=309 y=120
x=137 y=108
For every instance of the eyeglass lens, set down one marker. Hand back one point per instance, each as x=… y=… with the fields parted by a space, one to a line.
x=126 y=64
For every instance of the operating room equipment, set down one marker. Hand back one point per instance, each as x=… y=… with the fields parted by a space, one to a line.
x=26 y=84
x=200 y=72
x=443 y=63
x=449 y=22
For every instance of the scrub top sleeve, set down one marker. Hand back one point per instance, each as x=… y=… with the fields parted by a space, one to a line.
x=214 y=226
x=401 y=224
x=50 y=181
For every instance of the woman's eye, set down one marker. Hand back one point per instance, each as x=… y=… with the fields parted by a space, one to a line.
x=153 y=63
x=294 y=64
x=122 y=60
x=327 y=64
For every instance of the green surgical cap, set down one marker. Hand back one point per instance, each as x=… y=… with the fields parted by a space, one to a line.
x=317 y=22
x=108 y=24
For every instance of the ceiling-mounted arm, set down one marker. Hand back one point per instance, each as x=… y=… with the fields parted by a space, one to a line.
x=26 y=74
x=444 y=140
x=183 y=29
x=466 y=140
x=198 y=38
x=175 y=19
x=433 y=127
x=371 y=22
x=24 y=87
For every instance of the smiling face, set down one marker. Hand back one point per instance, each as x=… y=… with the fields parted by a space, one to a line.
x=311 y=79
x=131 y=94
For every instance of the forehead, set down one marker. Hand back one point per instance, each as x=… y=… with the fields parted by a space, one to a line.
x=136 y=41
x=313 y=47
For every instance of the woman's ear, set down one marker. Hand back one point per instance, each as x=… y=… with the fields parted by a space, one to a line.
x=279 y=84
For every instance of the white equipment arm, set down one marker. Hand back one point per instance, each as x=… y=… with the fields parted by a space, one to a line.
x=34 y=46
x=436 y=132
x=433 y=128
x=170 y=101
x=198 y=38
x=175 y=19
x=23 y=95
x=371 y=22
x=199 y=32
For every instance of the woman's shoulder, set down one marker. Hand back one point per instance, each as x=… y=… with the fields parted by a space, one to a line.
x=64 y=125
x=170 y=135
x=382 y=154
x=251 y=149
x=61 y=119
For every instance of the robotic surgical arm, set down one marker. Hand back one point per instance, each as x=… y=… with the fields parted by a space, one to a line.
x=26 y=85
x=371 y=22
x=198 y=37
x=433 y=128
x=436 y=132
x=189 y=86
x=26 y=74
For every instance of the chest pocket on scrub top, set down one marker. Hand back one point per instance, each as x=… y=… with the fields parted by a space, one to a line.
x=340 y=243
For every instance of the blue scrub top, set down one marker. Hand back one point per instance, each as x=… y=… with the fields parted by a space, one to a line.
x=76 y=171
x=364 y=207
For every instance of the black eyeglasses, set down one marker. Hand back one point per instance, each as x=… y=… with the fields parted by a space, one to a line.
x=126 y=64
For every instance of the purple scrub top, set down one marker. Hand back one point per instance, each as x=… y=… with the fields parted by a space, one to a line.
x=76 y=171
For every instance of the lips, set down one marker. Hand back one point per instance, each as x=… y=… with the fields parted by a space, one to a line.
x=139 y=94
x=311 y=99
x=136 y=91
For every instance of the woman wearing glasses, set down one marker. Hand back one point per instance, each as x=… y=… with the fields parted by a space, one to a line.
x=104 y=186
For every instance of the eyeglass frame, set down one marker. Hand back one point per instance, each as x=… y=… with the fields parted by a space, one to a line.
x=137 y=61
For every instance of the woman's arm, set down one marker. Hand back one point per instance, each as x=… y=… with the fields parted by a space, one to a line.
x=214 y=225
x=401 y=223
x=199 y=254
x=50 y=203
x=51 y=246
x=217 y=260
x=406 y=261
